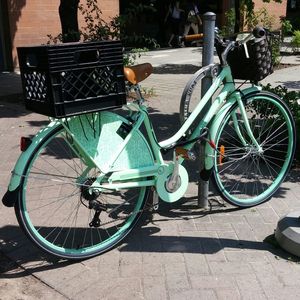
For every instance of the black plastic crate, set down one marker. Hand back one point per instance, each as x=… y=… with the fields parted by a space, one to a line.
x=73 y=78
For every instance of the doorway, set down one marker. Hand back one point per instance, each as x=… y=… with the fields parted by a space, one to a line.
x=5 y=43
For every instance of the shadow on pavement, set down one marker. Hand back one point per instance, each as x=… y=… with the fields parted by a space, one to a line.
x=175 y=69
x=200 y=245
x=292 y=84
x=143 y=238
x=12 y=110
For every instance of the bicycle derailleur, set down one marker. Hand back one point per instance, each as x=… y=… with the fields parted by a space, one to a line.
x=90 y=196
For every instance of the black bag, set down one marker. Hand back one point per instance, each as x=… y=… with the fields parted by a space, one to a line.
x=259 y=64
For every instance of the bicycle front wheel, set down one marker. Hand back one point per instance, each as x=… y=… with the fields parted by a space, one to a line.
x=60 y=212
x=244 y=175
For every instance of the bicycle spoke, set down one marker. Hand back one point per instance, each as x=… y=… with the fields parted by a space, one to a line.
x=63 y=208
x=247 y=175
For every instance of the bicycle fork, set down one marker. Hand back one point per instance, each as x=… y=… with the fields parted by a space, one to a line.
x=247 y=126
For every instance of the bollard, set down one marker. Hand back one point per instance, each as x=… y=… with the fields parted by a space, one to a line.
x=209 y=20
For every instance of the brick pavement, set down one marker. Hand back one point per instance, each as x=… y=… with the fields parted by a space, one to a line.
x=181 y=252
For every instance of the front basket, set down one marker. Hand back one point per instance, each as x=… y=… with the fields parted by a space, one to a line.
x=257 y=66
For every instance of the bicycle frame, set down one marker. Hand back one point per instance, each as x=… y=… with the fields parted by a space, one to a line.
x=156 y=171
x=226 y=98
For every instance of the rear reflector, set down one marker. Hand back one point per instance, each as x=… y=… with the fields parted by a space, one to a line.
x=24 y=143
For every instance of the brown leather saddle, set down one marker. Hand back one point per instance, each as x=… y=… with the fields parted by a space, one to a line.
x=138 y=73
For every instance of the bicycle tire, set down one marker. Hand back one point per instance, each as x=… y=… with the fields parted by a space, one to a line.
x=54 y=214
x=191 y=95
x=243 y=176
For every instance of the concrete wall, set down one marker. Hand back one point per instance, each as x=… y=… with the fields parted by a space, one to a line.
x=31 y=20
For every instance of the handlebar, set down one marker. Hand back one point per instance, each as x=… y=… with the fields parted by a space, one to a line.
x=258 y=32
x=192 y=37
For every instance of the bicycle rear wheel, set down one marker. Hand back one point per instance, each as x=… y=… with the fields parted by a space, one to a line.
x=59 y=211
x=244 y=176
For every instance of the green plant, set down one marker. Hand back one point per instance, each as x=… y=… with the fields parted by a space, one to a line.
x=228 y=28
x=286 y=27
x=96 y=28
x=132 y=55
x=118 y=27
x=121 y=27
x=259 y=17
x=296 y=41
x=244 y=10
x=275 y=48
x=291 y=98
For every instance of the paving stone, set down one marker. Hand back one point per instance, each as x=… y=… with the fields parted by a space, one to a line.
x=129 y=258
x=246 y=256
x=154 y=288
x=176 y=283
x=153 y=269
x=249 y=286
x=57 y=275
x=171 y=257
x=131 y=271
x=193 y=295
x=228 y=294
x=229 y=241
x=212 y=282
x=111 y=270
x=268 y=214
x=227 y=218
x=280 y=207
x=187 y=226
x=219 y=268
x=196 y=264
x=152 y=257
x=101 y=288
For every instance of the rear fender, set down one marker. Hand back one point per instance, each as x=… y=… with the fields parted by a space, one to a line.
x=11 y=195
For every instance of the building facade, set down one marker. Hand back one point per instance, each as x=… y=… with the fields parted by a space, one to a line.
x=28 y=22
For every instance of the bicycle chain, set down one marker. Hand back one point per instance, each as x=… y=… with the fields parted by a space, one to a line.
x=133 y=213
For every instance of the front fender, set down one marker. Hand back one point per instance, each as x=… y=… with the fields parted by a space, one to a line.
x=216 y=123
x=10 y=196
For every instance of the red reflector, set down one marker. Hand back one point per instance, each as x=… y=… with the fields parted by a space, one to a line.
x=212 y=144
x=24 y=143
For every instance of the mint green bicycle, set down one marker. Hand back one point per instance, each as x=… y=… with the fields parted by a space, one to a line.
x=81 y=184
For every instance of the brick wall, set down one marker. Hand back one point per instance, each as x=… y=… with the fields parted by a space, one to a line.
x=31 y=20
x=274 y=9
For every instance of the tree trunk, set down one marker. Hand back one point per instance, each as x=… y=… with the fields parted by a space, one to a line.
x=68 y=13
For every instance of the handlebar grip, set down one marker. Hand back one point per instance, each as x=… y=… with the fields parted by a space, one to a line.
x=193 y=37
x=259 y=32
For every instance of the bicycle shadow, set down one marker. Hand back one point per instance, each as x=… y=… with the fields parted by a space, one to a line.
x=145 y=237
x=11 y=110
x=12 y=107
x=16 y=250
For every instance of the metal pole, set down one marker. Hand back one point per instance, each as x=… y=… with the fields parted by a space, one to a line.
x=209 y=20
